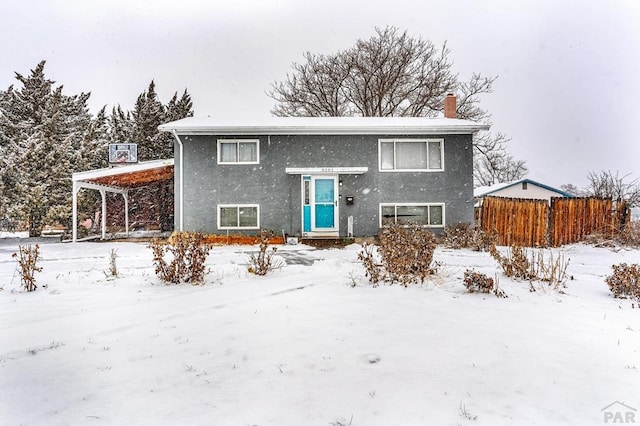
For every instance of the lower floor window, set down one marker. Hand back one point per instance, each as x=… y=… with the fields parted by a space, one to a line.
x=421 y=214
x=238 y=216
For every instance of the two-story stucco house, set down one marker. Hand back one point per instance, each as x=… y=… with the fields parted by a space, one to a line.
x=321 y=177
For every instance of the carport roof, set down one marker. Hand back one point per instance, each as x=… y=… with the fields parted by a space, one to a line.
x=128 y=176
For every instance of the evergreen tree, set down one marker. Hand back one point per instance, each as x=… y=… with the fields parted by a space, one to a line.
x=120 y=126
x=147 y=115
x=43 y=132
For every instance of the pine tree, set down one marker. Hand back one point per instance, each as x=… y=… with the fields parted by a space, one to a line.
x=44 y=133
x=147 y=115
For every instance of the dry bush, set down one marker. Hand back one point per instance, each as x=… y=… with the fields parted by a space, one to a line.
x=463 y=235
x=625 y=281
x=458 y=236
x=188 y=253
x=552 y=270
x=262 y=262
x=27 y=257
x=113 y=268
x=482 y=241
x=476 y=282
x=517 y=263
x=405 y=255
x=610 y=237
x=630 y=235
x=373 y=266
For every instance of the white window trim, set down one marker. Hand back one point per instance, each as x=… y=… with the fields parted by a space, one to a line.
x=237 y=141
x=257 y=206
x=444 y=219
x=426 y=141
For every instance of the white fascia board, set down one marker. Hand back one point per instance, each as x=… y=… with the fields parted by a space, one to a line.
x=97 y=187
x=326 y=126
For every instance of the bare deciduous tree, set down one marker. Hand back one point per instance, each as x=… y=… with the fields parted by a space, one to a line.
x=393 y=74
x=492 y=163
x=608 y=185
x=572 y=189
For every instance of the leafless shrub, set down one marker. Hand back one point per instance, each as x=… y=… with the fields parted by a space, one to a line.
x=482 y=241
x=552 y=270
x=476 y=282
x=458 y=236
x=405 y=253
x=369 y=258
x=27 y=257
x=630 y=234
x=113 y=268
x=188 y=253
x=262 y=262
x=463 y=235
x=625 y=281
x=465 y=414
x=517 y=263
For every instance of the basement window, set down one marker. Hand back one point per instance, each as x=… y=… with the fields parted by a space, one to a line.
x=427 y=215
x=238 y=216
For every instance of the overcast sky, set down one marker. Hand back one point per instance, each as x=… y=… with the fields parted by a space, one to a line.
x=568 y=71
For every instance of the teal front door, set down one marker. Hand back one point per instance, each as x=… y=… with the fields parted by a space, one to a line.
x=321 y=204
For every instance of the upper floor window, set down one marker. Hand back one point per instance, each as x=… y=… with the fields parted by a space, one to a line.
x=411 y=155
x=238 y=151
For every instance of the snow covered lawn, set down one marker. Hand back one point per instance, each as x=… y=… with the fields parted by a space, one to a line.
x=301 y=346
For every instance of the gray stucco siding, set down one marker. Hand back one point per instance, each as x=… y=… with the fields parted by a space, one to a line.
x=208 y=184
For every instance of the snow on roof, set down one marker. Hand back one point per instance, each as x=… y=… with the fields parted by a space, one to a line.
x=128 y=175
x=323 y=125
x=483 y=191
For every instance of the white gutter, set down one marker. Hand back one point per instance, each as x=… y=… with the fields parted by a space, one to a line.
x=324 y=126
x=329 y=130
x=181 y=186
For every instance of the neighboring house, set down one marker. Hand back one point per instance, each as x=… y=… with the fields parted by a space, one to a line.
x=523 y=188
x=322 y=177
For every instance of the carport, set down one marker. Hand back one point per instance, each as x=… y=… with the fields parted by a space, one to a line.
x=118 y=180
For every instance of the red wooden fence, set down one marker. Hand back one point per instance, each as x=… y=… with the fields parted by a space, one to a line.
x=536 y=223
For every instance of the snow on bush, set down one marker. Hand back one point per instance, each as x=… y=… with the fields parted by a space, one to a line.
x=476 y=282
x=188 y=253
x=405 y=255
x=262 y=262
x=463 y=235
x=625 y=281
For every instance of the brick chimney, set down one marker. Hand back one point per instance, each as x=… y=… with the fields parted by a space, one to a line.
x=450 y=106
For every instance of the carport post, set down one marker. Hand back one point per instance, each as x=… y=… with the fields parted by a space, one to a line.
x=74 y=213
x=125 y=195
x=104 y=213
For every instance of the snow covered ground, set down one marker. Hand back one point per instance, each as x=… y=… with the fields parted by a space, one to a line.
x=302 y=346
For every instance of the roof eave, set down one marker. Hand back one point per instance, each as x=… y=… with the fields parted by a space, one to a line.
x=324 y=130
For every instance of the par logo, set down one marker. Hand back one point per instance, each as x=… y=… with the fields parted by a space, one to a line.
x=619 y=413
